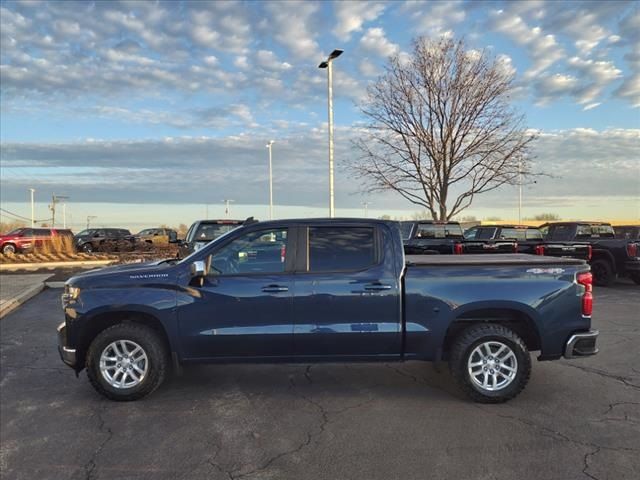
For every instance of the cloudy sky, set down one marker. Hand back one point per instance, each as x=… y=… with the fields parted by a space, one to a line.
x=171 y=104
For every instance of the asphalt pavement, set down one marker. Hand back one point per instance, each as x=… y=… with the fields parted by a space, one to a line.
x=576 y=419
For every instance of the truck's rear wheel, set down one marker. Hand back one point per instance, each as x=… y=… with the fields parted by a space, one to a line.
x=602 y=273
x=490 y=363
x=126 y=362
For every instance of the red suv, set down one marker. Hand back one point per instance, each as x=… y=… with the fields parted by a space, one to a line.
x=23 y=240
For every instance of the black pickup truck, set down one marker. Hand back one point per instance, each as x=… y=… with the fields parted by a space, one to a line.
x=628 y=232
x=426 y=237
x=524 y=239
x=611 y=257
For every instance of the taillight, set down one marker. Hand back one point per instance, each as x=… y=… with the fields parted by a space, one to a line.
x=283 y=252
x=589 y=252
x=586 y=279
x=539 y=249
x=515 y=247
x=457 y=249
x=632 y=249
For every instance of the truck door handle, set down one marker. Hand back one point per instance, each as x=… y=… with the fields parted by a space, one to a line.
x=376 y=287
x=275 y=289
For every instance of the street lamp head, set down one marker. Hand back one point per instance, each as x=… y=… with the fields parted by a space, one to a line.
x=271 y=142
x=333 y=55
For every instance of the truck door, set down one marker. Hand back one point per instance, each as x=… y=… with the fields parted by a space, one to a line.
x=243 y=307
x=347 y=300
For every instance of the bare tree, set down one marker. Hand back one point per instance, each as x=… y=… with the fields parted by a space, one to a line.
x=441 y=129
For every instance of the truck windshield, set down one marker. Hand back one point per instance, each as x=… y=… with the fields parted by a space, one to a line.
x=484 y=233
x=85 y=233
x=210 y=231
x=431 y=230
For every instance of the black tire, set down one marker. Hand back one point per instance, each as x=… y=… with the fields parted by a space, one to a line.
x=8 y=249
x=87 y=248
x=153 y=347
x=463 y=348
x=635 y=277
x=602 y=271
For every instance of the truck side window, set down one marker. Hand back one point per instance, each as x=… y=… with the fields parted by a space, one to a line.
x=340 y=248
x=263 y=251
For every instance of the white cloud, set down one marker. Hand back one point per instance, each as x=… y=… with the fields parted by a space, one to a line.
x=268 y=60
x=435 y=18
x=241 y=62
x=352 y=14
x=292 y=27
x=375 y=41
x=543 y=49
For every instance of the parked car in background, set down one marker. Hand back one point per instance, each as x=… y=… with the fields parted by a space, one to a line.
x=628 y=232
x=611 y=257
x=157 y=236
x=24 y=240
x=426 y=237
x=316 y=290
x=202 y=232
x=525 y=240
x=104 y=240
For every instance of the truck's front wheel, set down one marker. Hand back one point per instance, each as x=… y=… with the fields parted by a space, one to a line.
x=490 y=363
x=126 y=361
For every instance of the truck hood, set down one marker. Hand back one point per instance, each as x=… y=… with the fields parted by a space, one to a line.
x=157 y=271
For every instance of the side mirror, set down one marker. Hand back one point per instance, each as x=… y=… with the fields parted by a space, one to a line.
x=198 y=268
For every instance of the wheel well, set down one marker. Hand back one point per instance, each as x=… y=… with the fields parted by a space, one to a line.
x=101 y=322
x=602 y=255
x=515 y=320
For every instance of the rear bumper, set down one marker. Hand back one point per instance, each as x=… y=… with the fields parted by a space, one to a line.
x=68 y=355
x=581 y=344
x=632 y=266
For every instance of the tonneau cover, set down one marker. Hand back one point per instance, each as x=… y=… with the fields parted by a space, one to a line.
x=494 y=259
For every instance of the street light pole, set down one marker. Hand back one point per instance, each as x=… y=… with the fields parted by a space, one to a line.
x=33 y=216
x=89 y=218
x=328 y=65
x=519 y=191
x=269 y=145
x=366 y=209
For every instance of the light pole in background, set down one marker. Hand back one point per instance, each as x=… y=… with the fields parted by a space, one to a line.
x=327 y=64
x=89 y=218
x=33 y=216
x=366 y=209
x=269 y=145
x=519 y=191
x=226 y=206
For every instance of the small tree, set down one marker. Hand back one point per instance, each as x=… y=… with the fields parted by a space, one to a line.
x=441 y=129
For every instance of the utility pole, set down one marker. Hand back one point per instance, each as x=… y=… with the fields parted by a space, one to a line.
x=269 y=145
x=328 y=65
x=226 y=207
x=55 y=199
x=33 y=216
x=89 y=218
x=64 y=215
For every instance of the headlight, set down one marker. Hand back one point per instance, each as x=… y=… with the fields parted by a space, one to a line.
x=70 y=293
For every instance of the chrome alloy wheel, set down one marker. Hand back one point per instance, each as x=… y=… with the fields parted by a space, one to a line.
x=123 y=364
x=492 y=366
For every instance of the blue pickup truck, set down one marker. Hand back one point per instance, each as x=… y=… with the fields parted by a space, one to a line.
x=326 y=290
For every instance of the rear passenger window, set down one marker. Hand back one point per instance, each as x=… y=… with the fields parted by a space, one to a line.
x=340 y=248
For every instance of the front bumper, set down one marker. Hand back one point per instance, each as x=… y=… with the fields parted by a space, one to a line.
x=581 y=344
x=68 y=355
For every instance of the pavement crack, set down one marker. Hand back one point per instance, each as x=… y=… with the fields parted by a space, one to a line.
x=617 y=404
x=90 y=466
x=586 y=463
x=624 y=380
x=307 y=374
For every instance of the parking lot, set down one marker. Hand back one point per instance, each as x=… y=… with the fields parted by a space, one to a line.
x=576 y=419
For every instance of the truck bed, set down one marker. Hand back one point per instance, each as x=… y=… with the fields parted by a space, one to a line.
x=495 y=259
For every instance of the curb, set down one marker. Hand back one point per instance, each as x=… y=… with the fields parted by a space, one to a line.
x=9 y=306
x=54 y=284
x=38 y=266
